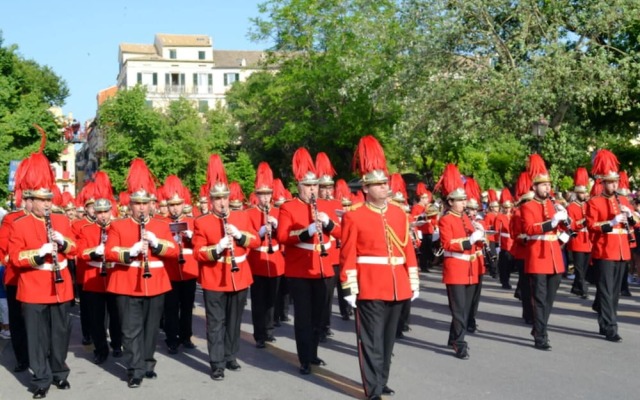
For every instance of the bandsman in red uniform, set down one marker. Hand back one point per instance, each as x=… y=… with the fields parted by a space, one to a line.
x=493 y=210
x=305 y=227
x=624 y=191
x=236 y=197
x=139 y=246
x=183 y=271
x=379 y=270
x=281 y=311
x=502 y=226
x=463 y=262
x=221 y=241
x=519 y=247
x=544 y=226
x=609 y=218
x=39 y=244
x=343 y=194
x=580 y=244
x=266 y=260
x=425 y=230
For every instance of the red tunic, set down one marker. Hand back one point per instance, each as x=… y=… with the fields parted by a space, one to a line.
x=503 y=229
x=189 y=270
x=490 y=223
x=543 y=255
x=126 y=277
x=10 y=273
x=582 y=241
x=377 y=258
x=516 y=226
x=36 y=279
x=330 y=207
x=609 y=242
x=463 y=262
x=88 y=239
x=76 y=228
x=262 y=263
x=215 y=269
x=302 y=258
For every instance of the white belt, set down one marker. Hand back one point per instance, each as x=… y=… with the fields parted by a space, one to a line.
x=584 y=230
x=461 y=256
x=187 y=251
x=380 y=260
x=49 y=266
x=618 y=231
x=312 y=246
x=265 y=249
x=97 y=264
x=138 y=264
x=549 y=238
x=227 y=260
x=505 y=235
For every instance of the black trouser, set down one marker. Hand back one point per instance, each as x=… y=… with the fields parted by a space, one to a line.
x=610 y=275
x=309 y=300
x=16 y=326
x=85 y=318
x=99 y=304
x=224 y=315
x=326 y=315
x=624 y=287
x=281 y=309
x=426 y=252
x=543 y=293
x=492 y=264
x=580 y=265
x=345 y=308
x=48 y=331
x=264 y=292
x=376 y=322
x=140 y=320
x=505 y=267
x=178 y=312
x=403 y=321
x=524 y=289
x=460 y=303
x=475 y=303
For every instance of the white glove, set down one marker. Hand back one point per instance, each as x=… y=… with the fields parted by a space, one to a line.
x=618 y=219
x=324 y=218
x=46 y=248
x=151 y=238
x=312 y=229
x=188 y=233
x=262 y=231
x=558 y=217
x=273 y=221
x=436 y=236
x=58 y=237
x=498 y=250
x=233 y=231
x=476 y=236
x=564 y=237
x=626 y=210
x=415 y=295
x=351 y=300
x=223 y=244
x=99 y=250
x=136 y=249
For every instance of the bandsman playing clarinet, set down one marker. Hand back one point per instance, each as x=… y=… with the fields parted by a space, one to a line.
x=139 y=246
x=580 y=245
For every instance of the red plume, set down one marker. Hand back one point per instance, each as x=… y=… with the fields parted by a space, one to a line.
x=235 y=192
x=253 y=199
x=68 y=200
x=140 y=178
x=215 y=172
x=173 y=189
x=124 y=199
x=43 y=137
x=369 y=156
x=323 y=166
x=449 y=181
x=398 y=188
x=605 y=164
x=505 y=197
x=624 y=181
x=39 y=174
x=303 y=165
x=581 y=177
x=537 y=169
x=342 y=191
x=523 y=185
x=493 y=197
x=264 y=178
x=421 y=190
x=596 y=189
x=102 y=186
x=278 y=190
x=358 y=197
x=473 y=189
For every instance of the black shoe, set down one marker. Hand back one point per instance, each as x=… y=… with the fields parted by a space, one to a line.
x=217 y=374
x=375 y=397
x=40 y=393
x=150 y=375
x=528 y=321
x=387 y=390
x=507 y=286
x=188 y=344
x=62 y=384
x=323 y=338
x=271 y=338
x=233 y=365
x=400 y=335
x=406 y=328
x=277 y=324
x=21 y=367
x=517 y=294
x=543 y=346
x=318 y=361
x=615 y=338
x=260 y=344
x=328 y=332
x=602 y=332
x=346 y=317
x=86 y=341
x=472 y=328
x=100 y=358
x=173 y=349
x=462 y=354
x=625 y=293
x=134 y=382
x=305 y=369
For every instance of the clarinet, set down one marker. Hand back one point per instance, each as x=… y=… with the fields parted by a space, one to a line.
x=56 y=266
x=566 y=222
x=103 y=240
x=486 y=250
x=314 y=207
x=145 y=257
x=232 y=253
x=178 y=238
x=630 y=236
x=269 y=234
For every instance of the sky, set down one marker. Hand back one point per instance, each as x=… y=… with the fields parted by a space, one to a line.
x=79 y=39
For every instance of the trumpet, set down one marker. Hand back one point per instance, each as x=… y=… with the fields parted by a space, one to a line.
x=267 y=225
x=314 y=208
x=232 y=253
x=145 y=257
x=56 y=266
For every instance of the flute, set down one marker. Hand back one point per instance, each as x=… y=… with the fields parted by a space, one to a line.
x=268 y=234
x=54 y=254
x=103 y=240
x=314 y=207
x=232 y=253
x=145 y=257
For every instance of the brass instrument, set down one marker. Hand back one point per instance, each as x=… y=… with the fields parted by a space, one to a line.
x=630 y=236
x=268 y=227
x=145 y=257
x=232 y=253
x=56 y=266
x=103 y=240
x=314 y=208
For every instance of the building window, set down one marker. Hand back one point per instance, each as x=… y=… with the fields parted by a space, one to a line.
x=231 y=77
x=149 y=103
x=173 y=54
x=174 y=83
x=203 y=106
x=155 y=79
x=201 y=55
x=139 y=78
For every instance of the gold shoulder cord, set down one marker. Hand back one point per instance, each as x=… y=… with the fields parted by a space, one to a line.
x=393 y=239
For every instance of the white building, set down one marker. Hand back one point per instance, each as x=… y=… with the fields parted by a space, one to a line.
x=187 y=66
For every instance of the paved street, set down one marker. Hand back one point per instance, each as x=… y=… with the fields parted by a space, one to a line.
x=503 y=363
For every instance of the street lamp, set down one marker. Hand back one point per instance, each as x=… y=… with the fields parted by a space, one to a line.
x=538 y=130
